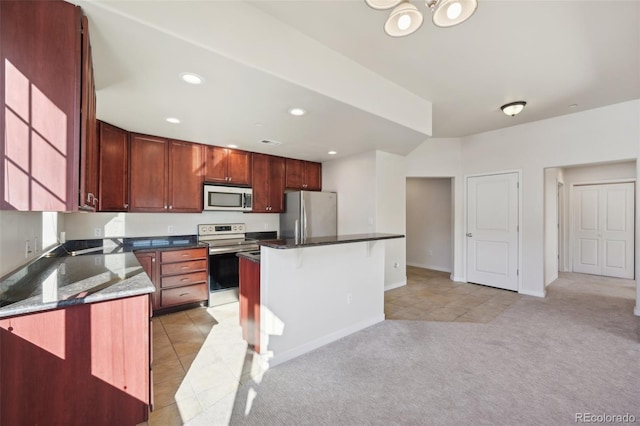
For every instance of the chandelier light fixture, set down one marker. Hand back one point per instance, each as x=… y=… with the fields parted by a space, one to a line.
x=513 y=108
x=405 y=18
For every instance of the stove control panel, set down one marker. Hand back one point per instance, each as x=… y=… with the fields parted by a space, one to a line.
x=221 y=229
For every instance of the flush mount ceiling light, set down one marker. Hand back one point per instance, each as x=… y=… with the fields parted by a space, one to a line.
x=405 y=18
x=232 y=145
x=513 y=108
x=173 y=120
x=191 y=78
x=332 y=152
x=297 y=111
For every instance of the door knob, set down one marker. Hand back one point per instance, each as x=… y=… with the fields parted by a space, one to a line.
x=469 y=234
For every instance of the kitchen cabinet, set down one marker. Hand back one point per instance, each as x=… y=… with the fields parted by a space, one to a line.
x=303 y=175
x=89 y=154
x=41 y=76
x=113 y=185
x=268 y=183
x=165 y=175
x=180 y=276
x=83 y=364
x=249 y=292
x=185 y=173
x=227 y=166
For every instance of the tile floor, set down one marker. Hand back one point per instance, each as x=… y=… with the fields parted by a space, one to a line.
x=432 y=296
x=200 y=359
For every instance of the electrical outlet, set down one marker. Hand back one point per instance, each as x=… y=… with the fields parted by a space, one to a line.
x=349 y=298
x=170 y=229
x=396 y=264
x=97 y=232
x=36 y=247
x=27 y=249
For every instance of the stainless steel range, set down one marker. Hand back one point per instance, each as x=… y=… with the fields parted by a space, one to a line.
x=225 y=240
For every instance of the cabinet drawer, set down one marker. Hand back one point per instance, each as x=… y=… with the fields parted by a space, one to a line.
x=179 y=255
x=184 y=279
x=182 y=295
x=182 y=267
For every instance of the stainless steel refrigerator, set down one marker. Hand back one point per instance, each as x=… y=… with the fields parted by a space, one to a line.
x=309 y=214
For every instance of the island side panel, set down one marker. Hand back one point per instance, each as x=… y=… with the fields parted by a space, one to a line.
x=312 y=296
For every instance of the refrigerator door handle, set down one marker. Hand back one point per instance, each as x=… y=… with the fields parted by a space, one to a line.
x=303 y=230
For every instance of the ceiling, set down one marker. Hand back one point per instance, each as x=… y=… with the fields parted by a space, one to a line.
x=362 y=89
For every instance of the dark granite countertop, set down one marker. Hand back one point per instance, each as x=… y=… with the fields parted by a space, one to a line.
x=83 y=271
x=253 y=256
x=289 y=243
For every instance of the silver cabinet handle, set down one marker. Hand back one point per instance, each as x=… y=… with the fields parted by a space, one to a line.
x=170 y=207
x=469 y=234
x=126 y=205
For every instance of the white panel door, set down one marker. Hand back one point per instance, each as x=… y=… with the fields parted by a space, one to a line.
x=603 y=237
x=492 y=230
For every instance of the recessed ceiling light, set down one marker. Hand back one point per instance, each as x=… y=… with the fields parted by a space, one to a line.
x=573 y=105
x=173 y=120
x=191 y=78
x=332 y=152
x=297 y=111
x=231 y=145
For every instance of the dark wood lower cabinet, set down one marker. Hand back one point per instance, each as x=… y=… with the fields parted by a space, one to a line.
x=249 y=272
x=80 y=365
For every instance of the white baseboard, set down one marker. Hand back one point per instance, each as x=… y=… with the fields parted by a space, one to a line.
x=321 y=341
x=426 y=266
x=391 y=286
x=458 y=279
x=533 y=293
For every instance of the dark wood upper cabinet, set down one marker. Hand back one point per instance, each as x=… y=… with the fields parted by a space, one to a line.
x=165 y=175
x=185 y=177
x=227 y=166
x=304 y=175
x=113 y=192
x=268 y=183
x=40 y=97
x=89 y=155
x=148 y=178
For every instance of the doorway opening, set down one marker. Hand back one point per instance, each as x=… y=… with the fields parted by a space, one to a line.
x=430 y=223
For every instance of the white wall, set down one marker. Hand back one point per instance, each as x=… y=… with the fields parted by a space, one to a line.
x=600 y=135
x=82 y=225
x=429 y=223
x=15 y=229
x=371 y=198
x=354 y=179
x=551 y=221
x=391 y=215
x=442 y=157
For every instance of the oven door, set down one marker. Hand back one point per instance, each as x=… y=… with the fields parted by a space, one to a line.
x=223 y=271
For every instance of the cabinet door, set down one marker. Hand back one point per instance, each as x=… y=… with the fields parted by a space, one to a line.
x=239 y=167
x=313 y=176
x=148 y=262
x=276 y=185
x=148 y=182
x=294 y=170
x=216 y=164
x=261 y=176
x=89 y=155
x=40 y=103
x=113 y=193
x=185 y=177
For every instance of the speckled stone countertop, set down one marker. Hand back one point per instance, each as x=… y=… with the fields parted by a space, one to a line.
x=253 y=256
x=78 y=272
x=289 y=243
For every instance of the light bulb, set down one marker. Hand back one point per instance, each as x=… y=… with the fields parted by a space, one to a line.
x=404 y=21
x=454 y=10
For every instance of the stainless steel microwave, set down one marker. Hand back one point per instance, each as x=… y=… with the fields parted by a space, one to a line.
x=229 y=198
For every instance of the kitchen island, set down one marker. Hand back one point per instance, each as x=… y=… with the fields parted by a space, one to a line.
x=317 y=290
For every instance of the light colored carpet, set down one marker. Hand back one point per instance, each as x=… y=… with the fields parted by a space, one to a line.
x=538 y=363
